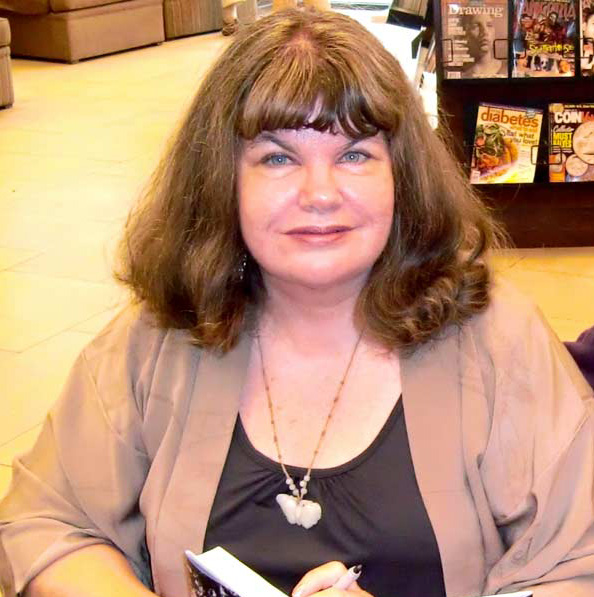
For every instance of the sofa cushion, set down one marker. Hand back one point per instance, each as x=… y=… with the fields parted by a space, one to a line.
x=4 y=33
x=26 y=7
x=68 y=5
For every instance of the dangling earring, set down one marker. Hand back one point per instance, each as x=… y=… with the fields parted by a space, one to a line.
x=241 y=267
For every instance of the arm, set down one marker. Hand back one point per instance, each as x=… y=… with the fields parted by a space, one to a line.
x=80 y=485
x=95 y=571
x=538 y=466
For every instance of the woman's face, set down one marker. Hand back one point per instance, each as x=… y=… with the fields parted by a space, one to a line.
x=316 y=208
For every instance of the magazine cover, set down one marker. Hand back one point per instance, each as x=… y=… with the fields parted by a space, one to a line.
x=587 y=37
x=474 y=38
x=571 y=142
x=505 y=144
x=544 y=38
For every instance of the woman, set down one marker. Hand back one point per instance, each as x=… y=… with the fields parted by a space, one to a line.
x=311 y=267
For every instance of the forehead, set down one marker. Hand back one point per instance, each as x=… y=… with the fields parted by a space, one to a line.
x=480 y=19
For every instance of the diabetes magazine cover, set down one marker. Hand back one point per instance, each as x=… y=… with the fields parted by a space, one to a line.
x=571 y=142
x=544 y=38
x=505 y=144
x=474 y=38
x=587 y=37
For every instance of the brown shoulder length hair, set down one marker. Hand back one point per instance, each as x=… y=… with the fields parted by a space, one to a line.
x=182 y=246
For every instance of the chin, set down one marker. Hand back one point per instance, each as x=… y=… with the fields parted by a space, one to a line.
x=325 y=279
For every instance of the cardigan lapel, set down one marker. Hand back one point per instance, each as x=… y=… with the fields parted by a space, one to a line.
x=432 y=396
x=203 y=450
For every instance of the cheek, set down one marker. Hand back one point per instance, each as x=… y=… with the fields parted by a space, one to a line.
x=261 y=208
x=379 y=205
x=386 y=222
x=251 y=219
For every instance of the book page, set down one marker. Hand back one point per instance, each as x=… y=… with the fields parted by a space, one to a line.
x=227 y=570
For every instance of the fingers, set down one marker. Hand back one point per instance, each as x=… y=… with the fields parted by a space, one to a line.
x=353 y=591
x=318 y=579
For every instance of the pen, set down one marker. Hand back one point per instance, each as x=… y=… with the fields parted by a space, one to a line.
x=348 y=578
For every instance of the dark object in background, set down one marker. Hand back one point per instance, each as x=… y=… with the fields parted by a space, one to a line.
x=413 y=14
x=582 y=350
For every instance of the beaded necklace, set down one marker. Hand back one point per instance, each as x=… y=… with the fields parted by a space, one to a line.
x=297 y=510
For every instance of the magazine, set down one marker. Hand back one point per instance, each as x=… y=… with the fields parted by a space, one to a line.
x=474 y=39
x=571 y=142
x=505 y=144
x=587 y=38
x=544 y=38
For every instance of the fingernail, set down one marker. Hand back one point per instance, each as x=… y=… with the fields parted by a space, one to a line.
x=297 y=591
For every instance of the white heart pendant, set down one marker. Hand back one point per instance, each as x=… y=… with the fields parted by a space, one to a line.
x=304 y=513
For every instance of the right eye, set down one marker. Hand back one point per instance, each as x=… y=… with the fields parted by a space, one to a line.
x=276 y=159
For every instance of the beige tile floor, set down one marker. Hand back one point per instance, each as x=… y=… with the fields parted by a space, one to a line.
x=75 y=150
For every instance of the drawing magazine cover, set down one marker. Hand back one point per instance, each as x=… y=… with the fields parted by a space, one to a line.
x=474 y=39
x=544 y=38
x=505 y=144
x=571 y=142
x=587 y=37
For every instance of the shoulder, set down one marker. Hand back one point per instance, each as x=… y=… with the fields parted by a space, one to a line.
x=131 y=327
x=512 y=344
x=505 y=322
x=136 y=358
x=135 y=333
x=509 y=319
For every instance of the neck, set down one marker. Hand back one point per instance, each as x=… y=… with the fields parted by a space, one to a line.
x=313 y=321
x=488 y=61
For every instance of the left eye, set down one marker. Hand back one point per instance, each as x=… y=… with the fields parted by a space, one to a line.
x=354 y=157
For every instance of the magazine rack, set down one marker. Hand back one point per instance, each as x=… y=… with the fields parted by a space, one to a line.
x=536 y=214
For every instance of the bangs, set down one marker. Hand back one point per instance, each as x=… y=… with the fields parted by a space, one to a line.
x=297 y=89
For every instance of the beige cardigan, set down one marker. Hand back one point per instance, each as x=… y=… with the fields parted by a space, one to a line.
x=500 y=435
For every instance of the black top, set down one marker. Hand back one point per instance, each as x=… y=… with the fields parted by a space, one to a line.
x=372 y=514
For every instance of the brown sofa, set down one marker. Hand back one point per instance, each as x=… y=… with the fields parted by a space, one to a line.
x=6 y=92
x=70 y=30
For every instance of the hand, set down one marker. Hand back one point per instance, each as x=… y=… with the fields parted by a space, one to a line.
x=318 y=582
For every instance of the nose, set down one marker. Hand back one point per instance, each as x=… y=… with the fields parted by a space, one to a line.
x=320 y=190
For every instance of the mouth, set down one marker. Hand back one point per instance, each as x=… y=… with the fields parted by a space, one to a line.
x=319 y=230
x=319 y=234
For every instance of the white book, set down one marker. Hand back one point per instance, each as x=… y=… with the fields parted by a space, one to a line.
x=232 y=576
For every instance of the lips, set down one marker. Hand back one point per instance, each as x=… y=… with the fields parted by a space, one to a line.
x=319 y=236
x=319 y=230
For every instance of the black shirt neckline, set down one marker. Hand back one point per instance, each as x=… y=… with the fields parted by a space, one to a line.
x=319 y=473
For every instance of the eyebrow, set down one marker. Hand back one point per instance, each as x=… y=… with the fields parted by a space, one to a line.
x=269 y=136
